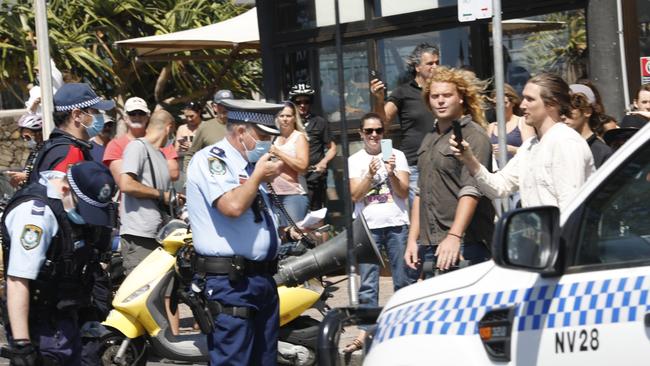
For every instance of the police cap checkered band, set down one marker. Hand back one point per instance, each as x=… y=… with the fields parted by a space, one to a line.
x=261 y=114
x=79 y=96
x=82 y=195
x=93 y=184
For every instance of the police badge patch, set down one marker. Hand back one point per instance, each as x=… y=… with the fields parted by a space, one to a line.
x=217 y=167
x=31 y=236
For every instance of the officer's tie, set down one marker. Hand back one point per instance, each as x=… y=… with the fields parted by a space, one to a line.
x=260 y=205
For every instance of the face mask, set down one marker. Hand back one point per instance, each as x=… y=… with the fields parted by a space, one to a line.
x=261 y=148
x=75 y=217
x=96 y=126
x=31 y=144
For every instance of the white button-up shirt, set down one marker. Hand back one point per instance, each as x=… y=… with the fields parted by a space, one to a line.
x=546 y=172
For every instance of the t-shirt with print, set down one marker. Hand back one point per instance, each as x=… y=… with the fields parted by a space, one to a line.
x=380 y=207
x=141 y=216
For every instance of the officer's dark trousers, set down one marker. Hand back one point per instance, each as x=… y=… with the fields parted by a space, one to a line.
x=58 y=340
x=239 y=341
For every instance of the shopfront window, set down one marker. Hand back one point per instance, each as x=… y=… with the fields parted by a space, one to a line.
x=355 y=73
x=393 y=52
x=643 y=9
x=308 y=14
x=384 y=8
x=555 y=42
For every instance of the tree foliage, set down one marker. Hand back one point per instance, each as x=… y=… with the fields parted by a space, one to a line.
x=82 y=44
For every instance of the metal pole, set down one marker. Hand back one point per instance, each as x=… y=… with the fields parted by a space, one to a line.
x=353 y=288
x=45 y=71
x=621 y=45
x=499 y=80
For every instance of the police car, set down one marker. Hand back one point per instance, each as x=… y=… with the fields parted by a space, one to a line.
x=562 y=290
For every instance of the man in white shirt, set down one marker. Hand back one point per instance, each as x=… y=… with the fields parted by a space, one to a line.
x=550 y=167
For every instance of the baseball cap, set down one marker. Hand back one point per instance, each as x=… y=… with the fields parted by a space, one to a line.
x=221 y=95
x=260 y=114
x=79 y=95
x=94 y=187
x=583 y=89
x=136 y=104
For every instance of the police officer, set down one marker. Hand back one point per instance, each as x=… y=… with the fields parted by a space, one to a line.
x=235 y=235
x=50 y=233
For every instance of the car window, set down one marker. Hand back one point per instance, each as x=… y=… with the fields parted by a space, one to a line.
x=616 y=222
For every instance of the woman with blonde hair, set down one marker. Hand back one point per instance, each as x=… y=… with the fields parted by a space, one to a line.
x=292 y=148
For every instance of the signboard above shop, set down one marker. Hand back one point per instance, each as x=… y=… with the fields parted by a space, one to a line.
x=470 y=10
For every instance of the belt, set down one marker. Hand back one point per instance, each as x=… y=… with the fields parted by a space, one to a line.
x=227 y=265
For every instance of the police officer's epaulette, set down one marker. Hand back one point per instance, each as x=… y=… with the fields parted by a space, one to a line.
x=217 y=152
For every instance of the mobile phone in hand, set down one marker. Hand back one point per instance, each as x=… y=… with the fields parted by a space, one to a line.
x=458 y=134
x=374 y=74
x=386 y=149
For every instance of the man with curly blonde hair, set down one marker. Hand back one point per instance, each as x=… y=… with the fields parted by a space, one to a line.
x=450 y=217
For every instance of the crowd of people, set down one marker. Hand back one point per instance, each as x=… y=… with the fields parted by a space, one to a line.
x=255 y=169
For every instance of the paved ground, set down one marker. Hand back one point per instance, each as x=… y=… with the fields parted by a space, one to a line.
x=339 y=299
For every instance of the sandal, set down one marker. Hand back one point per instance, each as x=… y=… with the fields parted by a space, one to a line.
x=355 y=345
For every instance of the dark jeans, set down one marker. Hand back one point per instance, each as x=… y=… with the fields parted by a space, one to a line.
x=317 y=190
x=472 y=252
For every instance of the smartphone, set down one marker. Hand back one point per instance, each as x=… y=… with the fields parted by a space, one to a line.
x=374 y=74
x=386 y=149
x=458 y=134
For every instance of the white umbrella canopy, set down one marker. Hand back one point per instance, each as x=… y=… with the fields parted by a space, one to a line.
x=240 y=32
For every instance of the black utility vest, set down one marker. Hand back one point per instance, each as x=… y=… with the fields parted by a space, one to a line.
x=60 y=283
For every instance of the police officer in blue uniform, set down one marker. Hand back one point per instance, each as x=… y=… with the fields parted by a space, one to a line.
x=235 y=235
x=51 y=231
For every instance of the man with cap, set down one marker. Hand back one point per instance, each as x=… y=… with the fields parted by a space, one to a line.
x=52 y=230
x=137 y=117
x=30 y=126
x=212 y=130
x=235 y=235
x=77 y=118
x=102 y=139
x=322 y=148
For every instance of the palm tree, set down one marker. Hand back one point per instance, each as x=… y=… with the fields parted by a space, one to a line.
x=82 y=35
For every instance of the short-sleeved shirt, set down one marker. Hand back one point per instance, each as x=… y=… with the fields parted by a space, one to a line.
x=380 y=206
x=415 y=118
x=60 y=157
x=599 y=150
x=31 y=226
x=214 y=171
x=97 y=152
x=141 y=216
x=206 y=134
x=444 y=179
x=115 y=150
x=318 y=131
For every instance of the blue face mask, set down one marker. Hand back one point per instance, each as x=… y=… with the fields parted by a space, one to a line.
x=96 y=126
x=75 y=217
x=261 y=148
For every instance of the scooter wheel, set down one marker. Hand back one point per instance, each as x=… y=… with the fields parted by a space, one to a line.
x=135 y=355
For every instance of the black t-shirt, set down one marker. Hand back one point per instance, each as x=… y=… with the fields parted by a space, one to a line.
x=319 y=137
x=599 y=150
x=414 y=118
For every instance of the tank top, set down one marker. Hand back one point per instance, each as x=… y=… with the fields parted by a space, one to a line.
x=289 y=181
x=513 y=138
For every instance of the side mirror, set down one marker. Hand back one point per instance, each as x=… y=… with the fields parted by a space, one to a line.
x=529 y=239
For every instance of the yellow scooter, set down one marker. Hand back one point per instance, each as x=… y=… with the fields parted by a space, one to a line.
x=139 y=318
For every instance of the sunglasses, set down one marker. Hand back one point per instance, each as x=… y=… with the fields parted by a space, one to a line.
x=369 y=131
x=303 y=102
x=136 y=113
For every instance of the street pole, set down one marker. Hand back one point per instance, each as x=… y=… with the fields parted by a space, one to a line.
x=499 y=80
x=621 y=45
x=45 y=71
x=353 y=288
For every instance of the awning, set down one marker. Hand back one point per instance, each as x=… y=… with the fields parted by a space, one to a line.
x=240 y=32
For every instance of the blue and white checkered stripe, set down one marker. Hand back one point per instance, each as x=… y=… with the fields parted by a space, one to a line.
x=254 y=117
x=80 y=105
x=549 y=306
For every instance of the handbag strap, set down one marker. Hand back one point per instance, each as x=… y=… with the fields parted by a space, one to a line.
x=153 y=174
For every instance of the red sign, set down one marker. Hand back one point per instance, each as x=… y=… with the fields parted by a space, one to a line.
x=645 y=67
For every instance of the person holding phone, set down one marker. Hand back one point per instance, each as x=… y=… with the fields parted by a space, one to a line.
x=379 y=185
x=450 y=216
x=185 y=133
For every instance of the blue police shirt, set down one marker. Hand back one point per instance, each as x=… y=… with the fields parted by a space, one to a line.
x=212 y=172
x=31 y=226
